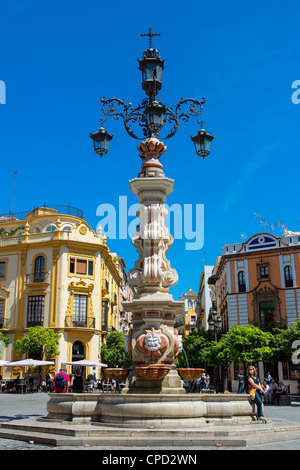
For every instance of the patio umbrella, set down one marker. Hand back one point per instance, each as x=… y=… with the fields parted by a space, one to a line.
x=85 y=363
x=29 y=363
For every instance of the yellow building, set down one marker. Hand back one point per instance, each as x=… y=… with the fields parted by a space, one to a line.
x=186 y=321
x=56 y=272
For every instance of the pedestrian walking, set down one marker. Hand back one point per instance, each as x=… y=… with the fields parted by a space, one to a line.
x=61 y=381
x=241 y=388
x=48 y=382
x=77 y=382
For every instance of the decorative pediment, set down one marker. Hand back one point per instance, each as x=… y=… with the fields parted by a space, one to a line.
x=81 y=286
x=263 y=241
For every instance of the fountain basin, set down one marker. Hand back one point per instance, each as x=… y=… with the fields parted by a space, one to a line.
x=190 y=374
x=148 y=410
x=152 y=372
x=117 y=374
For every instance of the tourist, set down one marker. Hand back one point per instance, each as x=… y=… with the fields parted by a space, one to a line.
x=241 y=388
x=269 y=378
x=48 y=382
x=272 y=389
x=77 y=382
x=113 y=385
x=207 y=381
x=61 y=381
x=281 y=390
x=255 y=386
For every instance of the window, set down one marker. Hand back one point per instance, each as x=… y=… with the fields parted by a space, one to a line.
x=190 y=304
x=264 y=272
x=242 y=281
x=51 y=228
x=35 y=310
x=267 y=313
x=2 y=269
x=104 y=316
x=77 y=351
x=81 y=266
x=79 y=310
x=91 y=268
x=39 y=269
x=288 y=276
x=2 y=306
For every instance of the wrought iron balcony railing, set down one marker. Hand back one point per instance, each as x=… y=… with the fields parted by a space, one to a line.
x=85 y=323
x=36 y=277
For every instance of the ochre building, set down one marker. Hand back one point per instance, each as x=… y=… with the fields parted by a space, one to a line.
x=56 y=272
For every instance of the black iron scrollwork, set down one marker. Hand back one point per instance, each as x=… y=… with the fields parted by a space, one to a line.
x=131 y=115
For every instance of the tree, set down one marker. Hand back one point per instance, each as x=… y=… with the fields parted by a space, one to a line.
x=242 y=345
x=113 y=351
x=196 y=348
x=286 y=343
x=4 y=342
x=42 y=343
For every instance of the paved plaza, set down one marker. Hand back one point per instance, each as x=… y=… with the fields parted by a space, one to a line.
x=16 y=407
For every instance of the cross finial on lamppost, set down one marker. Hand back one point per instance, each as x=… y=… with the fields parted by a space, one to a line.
x=150 y=35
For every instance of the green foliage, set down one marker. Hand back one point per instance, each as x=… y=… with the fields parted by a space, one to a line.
x=243 y=344
x=196 y=347
x=5 y=340
x=113 y=351
x=39 y=342
x=4 y=233
x=286 y=341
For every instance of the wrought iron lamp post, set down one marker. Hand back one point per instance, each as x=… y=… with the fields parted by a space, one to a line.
x=152 y=115
x=215 y=325
x=154 y=342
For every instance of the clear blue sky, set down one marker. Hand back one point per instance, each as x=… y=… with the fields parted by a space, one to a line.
x=59 y=58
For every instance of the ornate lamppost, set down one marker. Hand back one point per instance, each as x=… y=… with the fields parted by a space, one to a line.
x=152 y=115
x=215 y=326
x=154 y=343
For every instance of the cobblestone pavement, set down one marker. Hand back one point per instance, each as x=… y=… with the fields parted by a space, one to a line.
x=16 y=407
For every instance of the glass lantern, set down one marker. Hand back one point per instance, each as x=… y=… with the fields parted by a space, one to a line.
x=155 y=117
x=151 y=66
x=101 y=141
x=202 y=141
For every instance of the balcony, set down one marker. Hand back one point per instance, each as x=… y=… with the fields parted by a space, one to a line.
x=36 y=278
x=49 y=209
x=8 y=241
x=86 y=323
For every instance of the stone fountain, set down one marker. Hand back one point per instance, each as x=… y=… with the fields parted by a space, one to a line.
x=153 y=395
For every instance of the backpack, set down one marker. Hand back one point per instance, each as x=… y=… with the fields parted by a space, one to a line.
x=60 y=381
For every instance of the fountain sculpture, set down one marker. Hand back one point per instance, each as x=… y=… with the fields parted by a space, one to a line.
x=154 y=395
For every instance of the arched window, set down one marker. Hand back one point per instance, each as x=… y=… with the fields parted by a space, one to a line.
x=190 y=304
x=242 y=281
x=51 y=228
x=39 y=269
x=288 y=276
x=77 y=351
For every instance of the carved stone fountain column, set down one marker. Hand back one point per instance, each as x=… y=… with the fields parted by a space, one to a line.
x=153 y=341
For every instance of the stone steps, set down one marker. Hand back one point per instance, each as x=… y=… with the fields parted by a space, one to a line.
x=100 y=435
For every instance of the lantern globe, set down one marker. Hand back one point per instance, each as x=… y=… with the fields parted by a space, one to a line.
x=151 y=66
x=101 y=141
x=202 y=141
